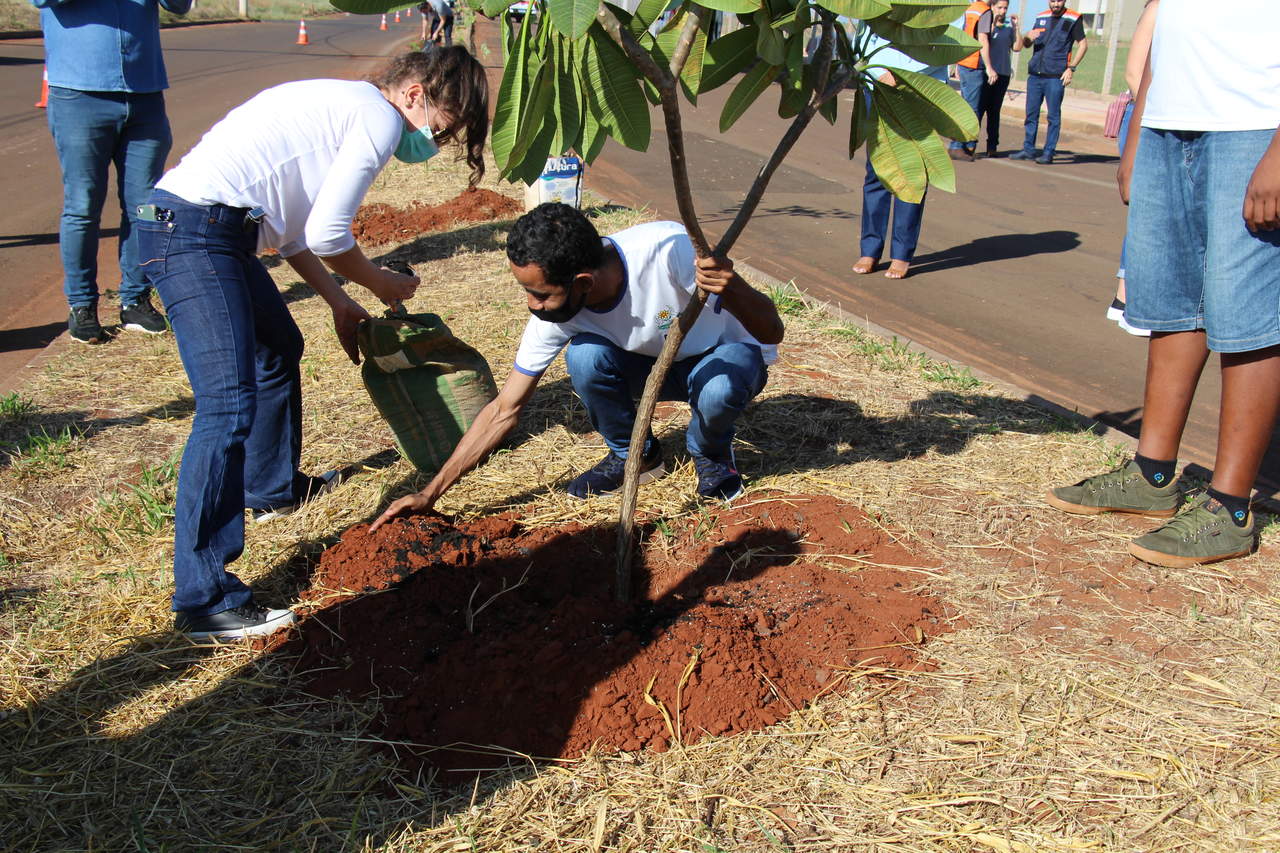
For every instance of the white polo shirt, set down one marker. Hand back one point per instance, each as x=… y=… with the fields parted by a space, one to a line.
x=658 y=282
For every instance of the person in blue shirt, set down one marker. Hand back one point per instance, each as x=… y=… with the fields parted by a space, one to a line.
x=1057 y=37
x=106 y=106
x=1004 y=41
x=877 y=201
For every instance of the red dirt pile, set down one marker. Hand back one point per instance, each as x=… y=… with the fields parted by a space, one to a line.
x=379 y=223
x=484 y=639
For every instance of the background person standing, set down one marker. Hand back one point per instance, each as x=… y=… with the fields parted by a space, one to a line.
x=1052 y=67
x=106 y=106
x=974 y=70
x=1004 y=40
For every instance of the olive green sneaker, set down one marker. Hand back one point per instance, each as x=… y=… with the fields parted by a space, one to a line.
x=1203 y=533
x=1121 y=490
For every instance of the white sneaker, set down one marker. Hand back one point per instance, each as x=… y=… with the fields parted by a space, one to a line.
x=248 y=620
x=1115 y=313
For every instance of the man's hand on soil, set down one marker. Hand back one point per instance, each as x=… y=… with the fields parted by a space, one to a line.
x=346 y=317
x=415 y=503
x=1262 y=197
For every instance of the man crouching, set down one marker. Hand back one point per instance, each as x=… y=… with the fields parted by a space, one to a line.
x=609 y=303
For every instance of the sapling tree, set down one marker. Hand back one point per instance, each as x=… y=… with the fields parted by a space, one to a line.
x=580 y=72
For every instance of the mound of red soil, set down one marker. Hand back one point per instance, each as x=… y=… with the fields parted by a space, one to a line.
x=378 y=223
x=483 y=639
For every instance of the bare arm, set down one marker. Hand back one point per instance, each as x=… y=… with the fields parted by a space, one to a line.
x=486 y=433
x=1262 y=197
x=387 y=285
x=984 y=50
x=1135 y=131
x=1081 y=48
x=1017 y=36
x=1140 y=46
x=755 y=311
x=347 y=313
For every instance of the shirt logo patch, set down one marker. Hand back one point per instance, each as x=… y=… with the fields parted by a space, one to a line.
x=664 y=318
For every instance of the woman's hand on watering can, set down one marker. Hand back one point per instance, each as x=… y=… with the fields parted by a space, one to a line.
x=393 y=286
x=347 y=316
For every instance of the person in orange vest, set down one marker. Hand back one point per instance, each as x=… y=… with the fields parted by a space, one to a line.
x=974 y=70
x=1050 y=71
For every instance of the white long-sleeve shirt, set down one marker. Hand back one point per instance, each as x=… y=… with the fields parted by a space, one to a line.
x=305 y=152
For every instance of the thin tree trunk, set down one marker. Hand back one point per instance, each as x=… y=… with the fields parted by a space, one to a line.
x=666 y=81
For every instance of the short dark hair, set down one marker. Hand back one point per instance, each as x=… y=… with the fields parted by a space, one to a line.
x=559 y=239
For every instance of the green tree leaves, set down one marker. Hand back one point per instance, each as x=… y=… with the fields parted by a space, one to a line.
x=569 y=85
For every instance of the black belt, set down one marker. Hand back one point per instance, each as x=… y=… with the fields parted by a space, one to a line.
x=151 y=213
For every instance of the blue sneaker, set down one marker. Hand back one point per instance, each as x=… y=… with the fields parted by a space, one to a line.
x=718 y=479
x=606 y=476
x=1021 y=155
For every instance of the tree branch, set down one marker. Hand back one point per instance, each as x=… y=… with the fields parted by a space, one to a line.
x=687 y=36
x=761 y=183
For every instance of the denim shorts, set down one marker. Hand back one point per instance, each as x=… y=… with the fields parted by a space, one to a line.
x=1191 y=262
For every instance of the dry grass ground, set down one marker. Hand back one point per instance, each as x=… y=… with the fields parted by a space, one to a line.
x=1085 y=701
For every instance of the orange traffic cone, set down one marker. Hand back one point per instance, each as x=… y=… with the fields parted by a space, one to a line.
x=302 y=33
x=384 y=21
x=408 y=13
x=397 y=16
x=43 y=103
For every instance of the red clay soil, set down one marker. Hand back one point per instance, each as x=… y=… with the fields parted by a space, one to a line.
x=484 y=639
x=379 y=223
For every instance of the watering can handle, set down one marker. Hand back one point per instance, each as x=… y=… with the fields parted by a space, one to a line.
x=402 y=267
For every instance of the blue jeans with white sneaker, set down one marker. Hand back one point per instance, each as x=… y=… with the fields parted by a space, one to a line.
x=717 y=385
x=241 y=350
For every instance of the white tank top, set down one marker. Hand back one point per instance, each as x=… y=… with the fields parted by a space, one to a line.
x=1215 y=66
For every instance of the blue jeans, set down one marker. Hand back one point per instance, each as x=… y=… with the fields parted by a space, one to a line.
x=1047 y=90
x=971 y=80
x=717 y=385
x=1120 y=141
x=876 y=205
x=241 y=349
x=1193 y=264
x=92 y=130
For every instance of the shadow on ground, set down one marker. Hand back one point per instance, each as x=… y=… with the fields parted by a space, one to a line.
x=1002 y=247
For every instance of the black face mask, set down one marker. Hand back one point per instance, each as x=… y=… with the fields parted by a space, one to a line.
x=564 y=313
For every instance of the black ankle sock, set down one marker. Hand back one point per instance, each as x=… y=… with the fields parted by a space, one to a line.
x=1157 y=472
x=1238 y=507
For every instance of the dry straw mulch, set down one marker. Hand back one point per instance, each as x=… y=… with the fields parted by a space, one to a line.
x=1085 y=702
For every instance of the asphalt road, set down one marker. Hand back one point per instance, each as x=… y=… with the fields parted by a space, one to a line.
x=211 y=69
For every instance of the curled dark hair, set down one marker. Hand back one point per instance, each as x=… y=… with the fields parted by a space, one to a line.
x=559 y=239
x=455 y=83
